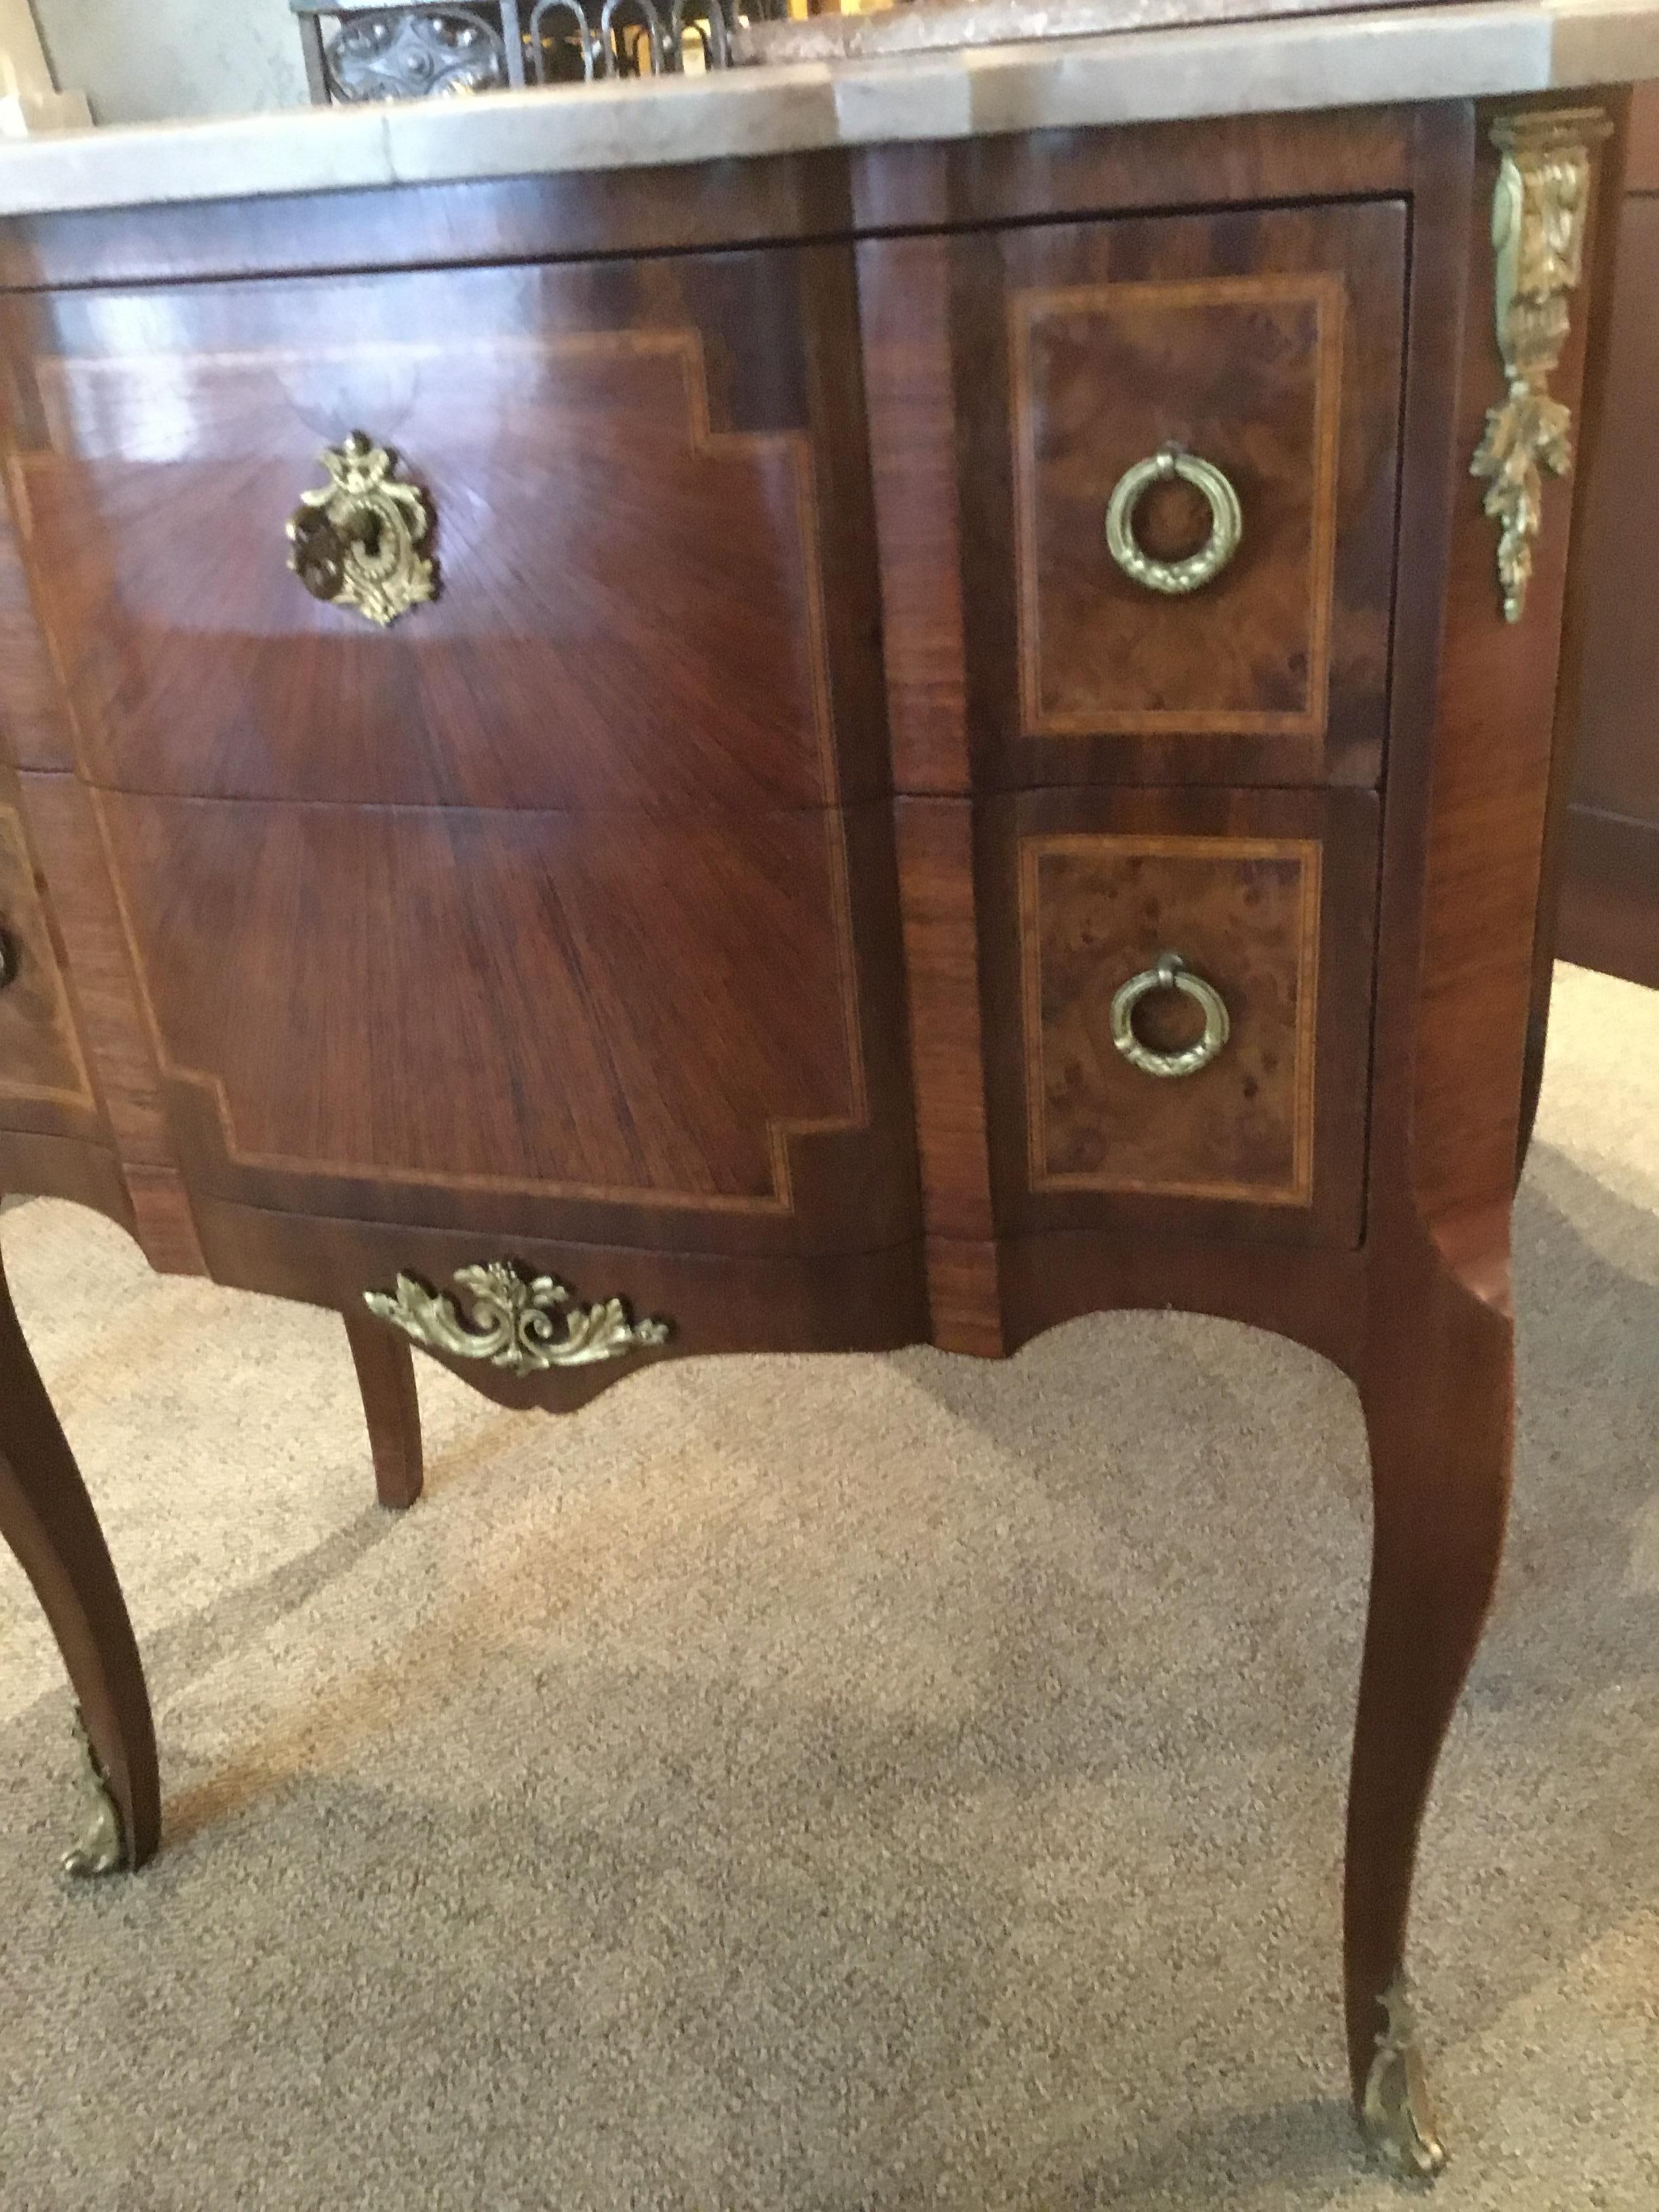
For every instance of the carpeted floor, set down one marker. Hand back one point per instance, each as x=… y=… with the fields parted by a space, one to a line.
x=807 y=1786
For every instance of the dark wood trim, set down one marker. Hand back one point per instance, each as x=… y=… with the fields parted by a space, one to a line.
x=780 y=199
x=1595 y=306
x=64 y=1167
x=851 y=1302
x=47 y=1520
x=1609 y=911
x=391 y=1408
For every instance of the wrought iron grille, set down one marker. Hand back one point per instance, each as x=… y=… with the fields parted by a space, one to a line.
x=366 y=50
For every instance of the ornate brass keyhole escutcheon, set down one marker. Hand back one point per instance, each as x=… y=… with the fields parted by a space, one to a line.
x=358 y=541
x=1174 y=578
x=1171 y=974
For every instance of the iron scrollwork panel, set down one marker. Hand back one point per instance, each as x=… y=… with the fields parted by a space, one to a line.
x=591 y=38
x=415 y=53
x=421 y=49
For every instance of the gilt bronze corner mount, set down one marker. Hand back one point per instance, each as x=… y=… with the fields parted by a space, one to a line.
x=103 y=1846
x=1397 y=2115
x=1540 y=206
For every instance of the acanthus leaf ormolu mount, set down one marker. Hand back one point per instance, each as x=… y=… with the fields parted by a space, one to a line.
x=525 y=1323
x=861 y=855
x=1540 y=211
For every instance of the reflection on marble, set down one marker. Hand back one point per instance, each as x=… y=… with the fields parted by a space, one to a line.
x=927 y=26
x=1443 y=52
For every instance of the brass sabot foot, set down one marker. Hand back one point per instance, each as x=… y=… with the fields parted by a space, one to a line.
x=102 y=1848
x=1397 y=2115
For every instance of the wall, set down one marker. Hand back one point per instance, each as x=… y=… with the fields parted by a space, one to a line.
x=144 y=61
x=165 y=58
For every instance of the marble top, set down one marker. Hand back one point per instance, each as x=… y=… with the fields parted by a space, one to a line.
x=1493 y=47
x=919 y=24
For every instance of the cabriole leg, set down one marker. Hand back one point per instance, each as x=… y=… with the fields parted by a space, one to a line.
x=1439 y=1398
x=47 y=1519
x=385 y=1375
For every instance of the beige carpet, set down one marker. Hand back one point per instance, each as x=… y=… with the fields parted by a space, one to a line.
x=817 y=1785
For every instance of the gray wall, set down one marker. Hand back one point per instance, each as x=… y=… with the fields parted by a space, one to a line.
x=142 y=61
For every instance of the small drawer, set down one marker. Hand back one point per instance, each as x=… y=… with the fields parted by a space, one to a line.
x=1183 y=988
x=1029 y=386
x=44 y=1084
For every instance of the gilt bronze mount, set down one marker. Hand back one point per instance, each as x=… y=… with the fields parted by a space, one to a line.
x=1171 y=974
x=358 y=51
x=524 y=1323
x=1174 y=577
x=1397 y=2115
x=103 y=1846
x=357 y=541
x=1540 y=209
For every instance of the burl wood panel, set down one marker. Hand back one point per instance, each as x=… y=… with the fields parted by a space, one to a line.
x=41 y=1064
x=1099 y=374
x=603 y=1011
x=1244 y=913
x=1271 y=897
x=1269 y=342
x=652 y=543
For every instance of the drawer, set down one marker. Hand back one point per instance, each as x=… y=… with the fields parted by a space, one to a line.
x=45 y=1088
x=599 y=1027
x=710 y=1302
x=1030 y=384
x=647 y=515
x=1227 y=1099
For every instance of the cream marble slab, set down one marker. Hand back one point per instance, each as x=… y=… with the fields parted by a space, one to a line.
x=930 y=25
x=1495 y=48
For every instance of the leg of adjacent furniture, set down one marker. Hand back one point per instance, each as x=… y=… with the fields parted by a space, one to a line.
x=46 y=1519
x=1438 y=1394
x=385 y=1375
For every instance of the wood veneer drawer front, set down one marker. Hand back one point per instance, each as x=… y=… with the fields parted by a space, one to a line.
x=44 y=1083
x=594 y=1026
x=712 y=1302
x=1268 y=900
x=1019 y=376
x=652 y=553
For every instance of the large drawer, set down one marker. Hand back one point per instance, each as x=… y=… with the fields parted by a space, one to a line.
x=601 y=1026
x=1024 y=380
x=1102 y=1114
x=44 y=1086
x=650 y=531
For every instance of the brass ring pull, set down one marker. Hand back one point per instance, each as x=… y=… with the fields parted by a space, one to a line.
x=357 y=540
x=1227 y=522
x=1171 y=974
x=8 y=958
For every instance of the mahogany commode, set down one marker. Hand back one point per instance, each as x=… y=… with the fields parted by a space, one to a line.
x=733 y=819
